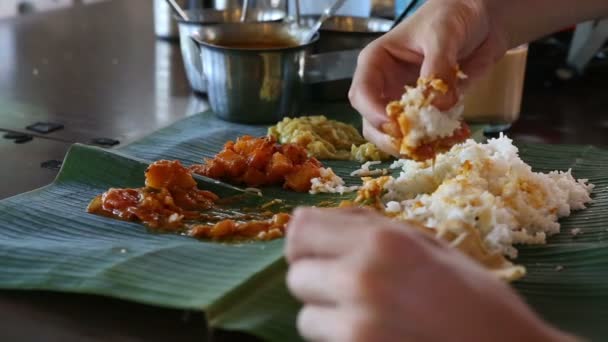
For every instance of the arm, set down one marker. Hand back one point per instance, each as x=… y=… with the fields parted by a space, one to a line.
x=535 y=18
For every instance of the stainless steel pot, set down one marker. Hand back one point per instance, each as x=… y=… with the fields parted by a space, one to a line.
x=202 y=18
x=258 y=83
x=346 y=32
x=343 y=33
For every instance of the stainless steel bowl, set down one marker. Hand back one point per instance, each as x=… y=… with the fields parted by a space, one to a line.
x=200 y=19
x=253 y=84
x=343 y=33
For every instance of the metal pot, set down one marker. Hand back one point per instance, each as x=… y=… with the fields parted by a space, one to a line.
x=202 y=18
x=262 y=84
x=252 y=85
x=343 y=33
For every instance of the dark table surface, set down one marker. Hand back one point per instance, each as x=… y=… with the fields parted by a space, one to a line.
x=100 y=72
x=97 y=69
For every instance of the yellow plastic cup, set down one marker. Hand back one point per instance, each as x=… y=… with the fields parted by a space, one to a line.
x=496 y=97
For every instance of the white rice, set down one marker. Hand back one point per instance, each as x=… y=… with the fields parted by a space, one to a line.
x=426 y=122
x=329 y=182
x=364 y=170
x=488 y=187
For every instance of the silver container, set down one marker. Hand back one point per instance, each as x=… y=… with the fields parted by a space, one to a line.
x=199 y=20
x=253 y=84
x=346 y=32
x=343 y=33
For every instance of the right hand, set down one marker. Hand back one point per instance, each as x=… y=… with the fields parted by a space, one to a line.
x=440 y=37
x=364 y=277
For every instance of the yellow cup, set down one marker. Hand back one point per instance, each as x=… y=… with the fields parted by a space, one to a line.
x=496 y=97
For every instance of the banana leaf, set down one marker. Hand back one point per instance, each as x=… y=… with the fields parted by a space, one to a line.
x=48 y=241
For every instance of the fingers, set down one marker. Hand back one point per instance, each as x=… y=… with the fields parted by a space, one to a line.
x=436 y=65
x=316 y=281
x=353 y=324
x=365 y=94
x=482 y=59
x=326 y=234
x=318 y=323
x=383 y=141
x=351 y=268
x=323 y=233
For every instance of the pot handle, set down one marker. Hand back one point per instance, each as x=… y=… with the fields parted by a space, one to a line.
x=331 y=66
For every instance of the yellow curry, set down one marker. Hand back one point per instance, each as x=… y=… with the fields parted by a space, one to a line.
x=326 y=139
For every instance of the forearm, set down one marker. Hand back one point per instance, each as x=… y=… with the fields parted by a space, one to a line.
x=525 y=20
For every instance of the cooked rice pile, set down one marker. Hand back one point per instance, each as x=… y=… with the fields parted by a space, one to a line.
x=329 y=182
x=420 y=129
x=482 y=186
x=482 y=198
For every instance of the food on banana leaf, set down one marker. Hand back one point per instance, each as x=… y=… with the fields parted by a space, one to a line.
x=171 y=201
x=169 y=197
x=481 y=192
x=329 y=182
x=261 y=162
x=259 y=229
x=326 y=139
x=418 y=128
x=480 y=197
x=367 y=152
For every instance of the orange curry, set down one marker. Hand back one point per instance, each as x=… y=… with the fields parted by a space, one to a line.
x=262 y=161
x=171 y=201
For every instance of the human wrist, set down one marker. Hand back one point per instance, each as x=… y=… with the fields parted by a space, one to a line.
x=518 y=322
x=500 y=14
x=553 y=334
x=521 y=21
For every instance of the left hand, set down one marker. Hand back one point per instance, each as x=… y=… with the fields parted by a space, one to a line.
x=432 y=43
x=364 y=277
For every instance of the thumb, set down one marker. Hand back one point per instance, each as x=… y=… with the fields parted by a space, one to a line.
x=440 y=65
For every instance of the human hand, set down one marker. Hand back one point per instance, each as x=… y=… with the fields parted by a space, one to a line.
x=442 y=36
x=363 y=277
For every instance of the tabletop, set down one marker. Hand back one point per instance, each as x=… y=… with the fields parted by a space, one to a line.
x=98 y=72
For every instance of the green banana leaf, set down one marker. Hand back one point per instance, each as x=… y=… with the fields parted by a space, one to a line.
x=48 y=241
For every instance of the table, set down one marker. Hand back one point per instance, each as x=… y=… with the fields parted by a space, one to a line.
x=100 y=72
x=96 y=69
